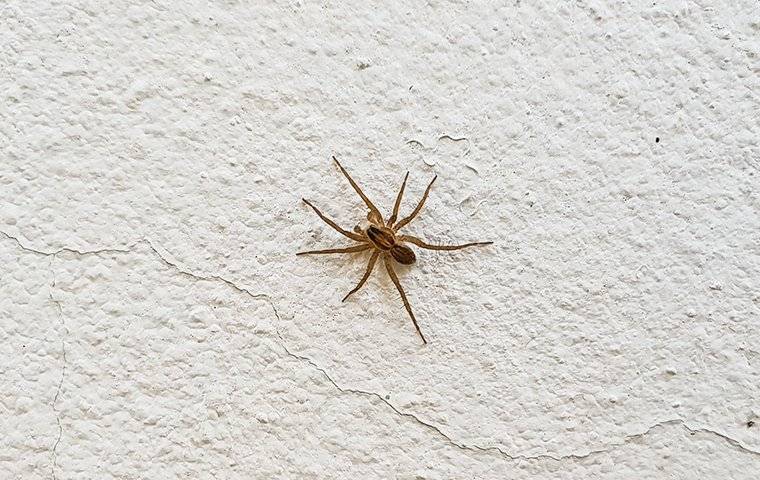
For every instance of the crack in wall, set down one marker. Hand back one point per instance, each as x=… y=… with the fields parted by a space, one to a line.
x=161 y=256
x=372 y=395
x=210 y=278
x=498 y=450
x=59 y=309
x=730 y=440
x=66 y=249
x=158 y=253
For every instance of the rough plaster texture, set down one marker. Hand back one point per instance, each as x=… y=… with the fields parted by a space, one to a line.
x=154 y=322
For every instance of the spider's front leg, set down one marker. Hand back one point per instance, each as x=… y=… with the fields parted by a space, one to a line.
x=374 y=214
x=417 y=209
x=351 y=235
x=394 y=215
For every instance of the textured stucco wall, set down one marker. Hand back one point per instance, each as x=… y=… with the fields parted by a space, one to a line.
x=154 y=322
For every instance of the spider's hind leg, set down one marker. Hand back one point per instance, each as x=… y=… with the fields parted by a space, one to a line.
x=367 y=273
x=397 y=283
x=422 y=244
x=354 y=249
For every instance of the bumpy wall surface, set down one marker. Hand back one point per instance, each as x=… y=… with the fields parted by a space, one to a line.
x=156 y=324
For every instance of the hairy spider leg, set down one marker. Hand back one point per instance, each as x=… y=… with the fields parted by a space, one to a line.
x=396 y=205
x=423 y=244
x=351 y=235
x=408 y=219
x=354 y=249
x=375 y=215
x=394 y=278
x=367 y=273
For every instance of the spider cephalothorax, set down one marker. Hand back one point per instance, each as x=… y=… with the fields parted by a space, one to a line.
x=383 y=239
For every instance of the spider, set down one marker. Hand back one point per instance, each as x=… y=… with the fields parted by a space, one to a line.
x=382 y=237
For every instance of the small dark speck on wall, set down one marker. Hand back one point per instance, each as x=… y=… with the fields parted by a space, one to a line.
x=750 y=424
x=656 y=139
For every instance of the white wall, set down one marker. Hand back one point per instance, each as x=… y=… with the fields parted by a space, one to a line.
x=155 y=323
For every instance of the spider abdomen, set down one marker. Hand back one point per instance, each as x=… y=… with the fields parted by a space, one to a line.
x=403 y=254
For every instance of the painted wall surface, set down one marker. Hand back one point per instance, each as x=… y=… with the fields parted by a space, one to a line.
x=156 y=324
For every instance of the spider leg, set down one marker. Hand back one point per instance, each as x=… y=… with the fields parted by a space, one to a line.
x=423 y=244
x=398 y=202
x=370 y=266
x=374 y=212
x=394 y=278
x=408 y=219
x=351 y=235
x=354 y=249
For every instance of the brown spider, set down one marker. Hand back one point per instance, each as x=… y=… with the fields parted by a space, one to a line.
x=382 y=237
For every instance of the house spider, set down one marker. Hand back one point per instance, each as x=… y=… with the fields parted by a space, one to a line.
x=383 y=239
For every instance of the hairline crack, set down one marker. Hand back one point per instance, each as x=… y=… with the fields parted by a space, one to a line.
x=259 y=296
